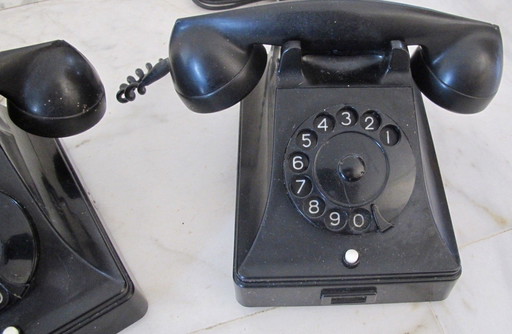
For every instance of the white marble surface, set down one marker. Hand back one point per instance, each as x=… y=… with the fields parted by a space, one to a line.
x=16 y=3
x=163 y=180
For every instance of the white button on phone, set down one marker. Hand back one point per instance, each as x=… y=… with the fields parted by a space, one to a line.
x=11 y=330
x=351 y=258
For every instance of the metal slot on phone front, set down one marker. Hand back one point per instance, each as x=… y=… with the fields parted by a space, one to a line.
x=348 y=296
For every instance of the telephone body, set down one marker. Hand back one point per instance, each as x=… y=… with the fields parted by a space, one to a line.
x=339 y=194
x=296 y=224
x=59 y=272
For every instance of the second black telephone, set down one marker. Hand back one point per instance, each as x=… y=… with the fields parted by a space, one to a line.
x=59 y=272
x=339 y=196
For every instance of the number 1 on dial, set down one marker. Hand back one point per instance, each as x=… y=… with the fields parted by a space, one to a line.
x=390 y=135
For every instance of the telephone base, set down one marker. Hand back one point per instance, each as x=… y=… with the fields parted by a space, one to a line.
x=59 y=271
x=300 y=241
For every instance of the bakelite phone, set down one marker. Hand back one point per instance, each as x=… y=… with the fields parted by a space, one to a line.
x=59 y=272
x=339 y=196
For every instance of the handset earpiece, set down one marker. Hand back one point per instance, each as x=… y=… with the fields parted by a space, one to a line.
x=208 y=78
x=209 y=71
x=51 y=89
x=464 y=76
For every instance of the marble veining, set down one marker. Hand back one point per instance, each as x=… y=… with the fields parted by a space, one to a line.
x=15 y=3
x=163 y=180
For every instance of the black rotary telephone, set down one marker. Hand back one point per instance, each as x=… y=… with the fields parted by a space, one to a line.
x=59 y=273
x=339 y=198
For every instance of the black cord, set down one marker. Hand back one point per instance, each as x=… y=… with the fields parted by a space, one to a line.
x=222 y=4
x=126 y=92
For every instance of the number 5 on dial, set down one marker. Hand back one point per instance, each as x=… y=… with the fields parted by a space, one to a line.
x=306 y=139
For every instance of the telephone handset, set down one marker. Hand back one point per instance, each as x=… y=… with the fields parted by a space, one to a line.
x=217 y=59
x=53 y=247
x=339 y=197
x=51 y=89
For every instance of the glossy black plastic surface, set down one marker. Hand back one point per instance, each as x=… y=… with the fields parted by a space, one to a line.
x=350 y=167
x=59 y=272
x=51 y=88
x=18 y=251
x=407 y=251
x=315 y=183
x=217 y=59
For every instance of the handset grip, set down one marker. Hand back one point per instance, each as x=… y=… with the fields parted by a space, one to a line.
x=217 y=59
x=51 y=89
